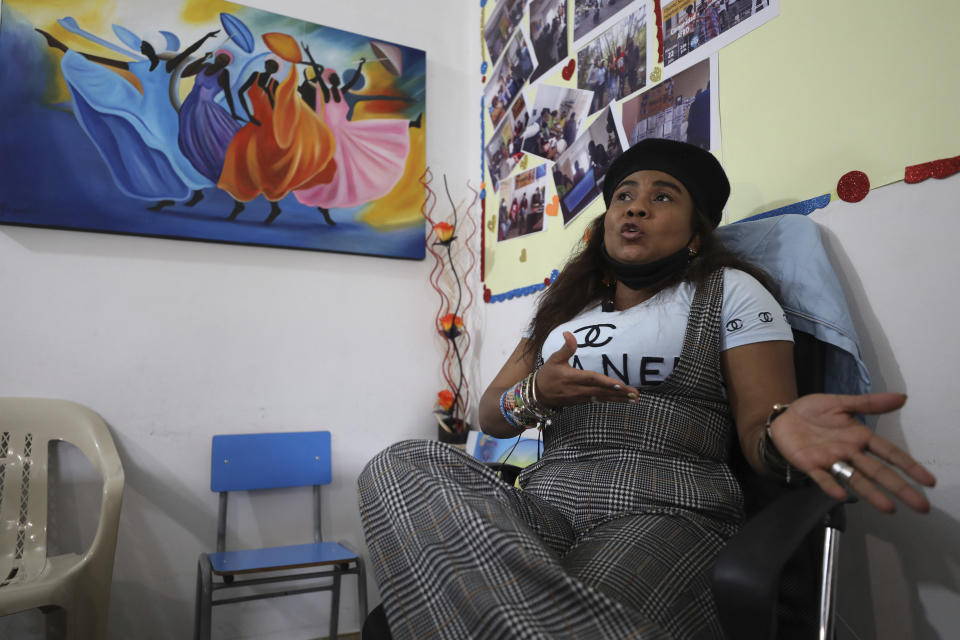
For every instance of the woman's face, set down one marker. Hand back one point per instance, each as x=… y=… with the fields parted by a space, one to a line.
x=650 y=217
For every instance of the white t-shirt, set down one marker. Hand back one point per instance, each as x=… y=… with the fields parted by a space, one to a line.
x=641 y=345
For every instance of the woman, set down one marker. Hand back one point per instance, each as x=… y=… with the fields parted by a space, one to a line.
x=285 y=146
x=134 y=129
x=206 y=128
x=619 y=523
x=370 y=154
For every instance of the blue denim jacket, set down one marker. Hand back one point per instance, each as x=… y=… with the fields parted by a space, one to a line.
x=788 y=247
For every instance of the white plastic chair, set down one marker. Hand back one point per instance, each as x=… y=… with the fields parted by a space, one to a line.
x=71 y=584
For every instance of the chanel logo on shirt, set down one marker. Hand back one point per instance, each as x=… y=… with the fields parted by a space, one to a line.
x=735 y=325
x=594 y=336
x=765 y=316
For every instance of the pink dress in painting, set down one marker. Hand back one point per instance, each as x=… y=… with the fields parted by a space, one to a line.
x=370 y=157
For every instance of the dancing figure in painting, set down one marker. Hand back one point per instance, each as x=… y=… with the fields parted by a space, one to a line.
x=370 y=154
x=135 y=133
x=206 y=128
x=285 y=146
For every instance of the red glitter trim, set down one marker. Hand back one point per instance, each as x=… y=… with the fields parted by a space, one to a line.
x=936 y=169
x=659 y=16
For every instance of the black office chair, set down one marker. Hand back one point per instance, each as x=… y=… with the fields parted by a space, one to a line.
x=777 y=577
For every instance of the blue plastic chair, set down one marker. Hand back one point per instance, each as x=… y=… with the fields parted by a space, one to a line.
x=248 y=462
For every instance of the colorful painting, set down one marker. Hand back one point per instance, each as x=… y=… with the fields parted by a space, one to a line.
x=209 y=120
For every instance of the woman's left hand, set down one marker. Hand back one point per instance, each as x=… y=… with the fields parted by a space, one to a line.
x=819 y=430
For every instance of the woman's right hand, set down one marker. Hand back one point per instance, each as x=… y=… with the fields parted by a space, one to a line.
x=560 y=385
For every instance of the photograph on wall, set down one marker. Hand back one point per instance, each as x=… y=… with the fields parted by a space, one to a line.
x=555 y=120
x=503 y=151
x=522 y=203
x=592 y=16
x=678 y=108
x=502 y=23
x=222 y=123
x=578 y=173
x=508 y=78
x=548 y=33
x=694 y=29
x=614 y=64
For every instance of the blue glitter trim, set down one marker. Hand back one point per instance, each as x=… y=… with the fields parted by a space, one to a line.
x=804 y=208
x=523 y=291
x=483 y=67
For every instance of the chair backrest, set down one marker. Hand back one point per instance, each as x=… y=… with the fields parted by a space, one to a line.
x=27 y=425
x=250 y=461
x=826 y=359
x=254 y=461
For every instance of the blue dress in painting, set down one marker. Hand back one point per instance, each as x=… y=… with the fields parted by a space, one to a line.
x=135 y=133
x=206 y=128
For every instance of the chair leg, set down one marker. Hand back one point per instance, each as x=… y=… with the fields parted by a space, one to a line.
x=828 y=583
x=334 y=605
x=362 y=589
x=203 y=605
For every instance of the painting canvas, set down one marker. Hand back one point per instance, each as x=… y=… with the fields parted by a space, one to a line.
x=209 y=120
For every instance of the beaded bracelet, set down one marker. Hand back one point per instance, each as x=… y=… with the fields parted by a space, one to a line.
x=508 y=414
x=528 y=411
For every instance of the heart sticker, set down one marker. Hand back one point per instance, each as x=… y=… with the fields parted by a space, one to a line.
x=567 y=72
x=492 y=225
x=656 y=74
x=523 y=255
x=554 y=207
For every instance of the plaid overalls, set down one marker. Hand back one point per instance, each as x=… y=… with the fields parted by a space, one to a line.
x=613 y=535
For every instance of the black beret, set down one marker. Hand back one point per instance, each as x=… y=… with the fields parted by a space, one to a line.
x=698 y=170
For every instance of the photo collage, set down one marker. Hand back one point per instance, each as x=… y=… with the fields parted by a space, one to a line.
x=605 y=101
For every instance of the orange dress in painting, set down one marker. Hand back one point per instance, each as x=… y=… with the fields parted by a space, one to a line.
x=291 y=149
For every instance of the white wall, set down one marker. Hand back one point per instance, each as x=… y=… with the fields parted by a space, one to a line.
x=172 y=342
x=895 y=254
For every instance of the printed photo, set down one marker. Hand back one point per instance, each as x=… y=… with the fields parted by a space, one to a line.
x=501 y=25
x=678 y=108
x=548 y=32
x=522 y=200
x=614 y=64
x=690 y=24
x=508 y=78
x=555 y=120
x=578 y=173
x=504 y=149
x=593 y=14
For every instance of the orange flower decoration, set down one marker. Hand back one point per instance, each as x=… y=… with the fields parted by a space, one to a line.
x=445 y=400
x=451 y=325
x=444 y=232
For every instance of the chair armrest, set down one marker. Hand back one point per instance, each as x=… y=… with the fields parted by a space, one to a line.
x=746 y=575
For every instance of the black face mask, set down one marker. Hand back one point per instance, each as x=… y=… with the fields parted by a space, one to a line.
x=641 y=276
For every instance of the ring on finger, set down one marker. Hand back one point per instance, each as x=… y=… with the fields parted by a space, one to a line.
x=842 y=471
